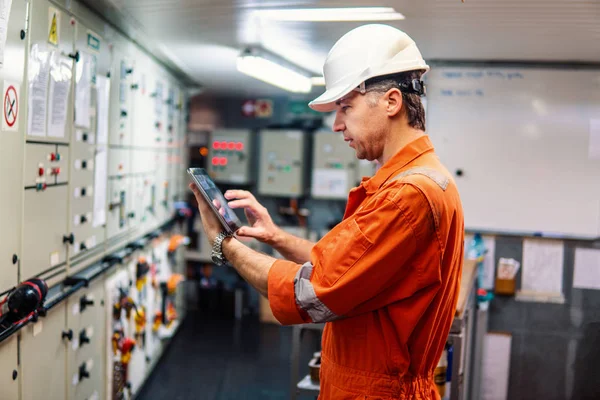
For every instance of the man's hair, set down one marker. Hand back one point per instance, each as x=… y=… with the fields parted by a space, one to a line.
x=412 y=105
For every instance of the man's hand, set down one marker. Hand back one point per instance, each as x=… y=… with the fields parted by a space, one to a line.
x=262 y=227
x=212 y=225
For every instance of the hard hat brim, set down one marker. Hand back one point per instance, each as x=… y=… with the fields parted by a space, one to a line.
x=326 y=101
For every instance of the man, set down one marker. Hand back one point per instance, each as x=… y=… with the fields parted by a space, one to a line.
x=386 y=279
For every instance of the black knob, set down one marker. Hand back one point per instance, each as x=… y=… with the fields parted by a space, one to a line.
x=84 y=137
x=83 y=337
x=129 y=71
x=157 y=125
x=108 y=74
x=83 y=219
x=83 y=191
x=75 y=56
x=84 y=164
x=135 y=86
x=15 y=259
x=68 y=334
x=69 y=239
x=459 y=172
x=22 y=34
x=84 y=302
x=131 y=215
x=83 y=373
x=123 y=113
x=82 y=247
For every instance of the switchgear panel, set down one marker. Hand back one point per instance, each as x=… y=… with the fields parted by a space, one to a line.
x=281 y=170
x=229 y=156
x=43 y=350
x=334 y=166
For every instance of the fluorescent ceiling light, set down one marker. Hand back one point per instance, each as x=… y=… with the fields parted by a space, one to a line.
x=332 y=14
x=273 y=73
x=317 y=80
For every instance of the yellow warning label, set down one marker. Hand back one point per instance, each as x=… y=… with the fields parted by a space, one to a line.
x=54 y=24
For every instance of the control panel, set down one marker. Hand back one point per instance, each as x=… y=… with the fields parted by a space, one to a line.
x=281 y=170
x=229 y=156
x=334 y=166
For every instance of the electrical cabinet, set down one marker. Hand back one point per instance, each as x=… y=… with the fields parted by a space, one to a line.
x=281 y=170
x=9 y=369
x=119 y=208
x=43 y=357
x=229 y=156
x=12 y=131
x=334 y=167
x=86 y=322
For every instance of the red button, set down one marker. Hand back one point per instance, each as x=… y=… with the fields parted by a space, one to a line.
x=216 y=145
x=239 y=146
x=223 y=145
x=52 y=157
x=56 y=171
x=223 y=161
x=215 y=161
x=41 y=171
x=231 y=145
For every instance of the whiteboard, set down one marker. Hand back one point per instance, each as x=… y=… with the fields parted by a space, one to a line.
x=522 y=138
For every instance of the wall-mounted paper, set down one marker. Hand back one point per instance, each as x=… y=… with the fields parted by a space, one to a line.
x=103 y=93
x=330 y=182
x=542 y=266
x=60 y=85
x=4 y=14
x=38 y=75
x=83 y=92
x=100 y=179
x=496 y=366
x=587 y=269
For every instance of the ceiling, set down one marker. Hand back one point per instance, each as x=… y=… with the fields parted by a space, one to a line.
x=203 y=37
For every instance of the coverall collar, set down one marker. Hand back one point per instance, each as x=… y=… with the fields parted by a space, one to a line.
x=402 y=158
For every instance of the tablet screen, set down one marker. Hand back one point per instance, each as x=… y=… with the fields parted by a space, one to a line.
x=212 y=191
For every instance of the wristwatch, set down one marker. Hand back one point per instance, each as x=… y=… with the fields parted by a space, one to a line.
x=217 y=249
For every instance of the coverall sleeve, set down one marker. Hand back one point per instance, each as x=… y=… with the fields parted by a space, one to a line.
x=364 y=263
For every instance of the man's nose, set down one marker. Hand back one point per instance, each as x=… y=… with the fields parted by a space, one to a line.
x=338 y=124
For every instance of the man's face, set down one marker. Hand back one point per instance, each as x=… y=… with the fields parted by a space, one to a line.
x=363 y=122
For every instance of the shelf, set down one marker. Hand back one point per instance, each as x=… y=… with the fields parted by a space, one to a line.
x=306 y=386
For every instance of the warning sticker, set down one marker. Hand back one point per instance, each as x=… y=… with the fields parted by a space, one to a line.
x=10 y=109
x=53 y=26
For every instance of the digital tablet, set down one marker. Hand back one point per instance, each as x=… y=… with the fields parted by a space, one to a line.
x=230 y=222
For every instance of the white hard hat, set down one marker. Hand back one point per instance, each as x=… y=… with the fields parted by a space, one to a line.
x=363 y=53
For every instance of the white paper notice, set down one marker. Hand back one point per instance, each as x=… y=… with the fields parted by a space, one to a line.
x=4 y=14
x=103 y=92
x=587 y=269
x=60 y=85
x=39 y=73
x=594 y=146
x=496 y=366
x=83 y=92
x=332 y=183
x=100 y=179
x=542 y=266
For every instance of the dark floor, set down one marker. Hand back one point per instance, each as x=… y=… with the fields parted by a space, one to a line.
x=220 y=358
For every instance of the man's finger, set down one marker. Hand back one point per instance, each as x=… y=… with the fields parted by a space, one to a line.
x=245 y=203
x=237 y=194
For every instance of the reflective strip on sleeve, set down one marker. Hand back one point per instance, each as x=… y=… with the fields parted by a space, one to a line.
x=307 y=299
x=436 y=176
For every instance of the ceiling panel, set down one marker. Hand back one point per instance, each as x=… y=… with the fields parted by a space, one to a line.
x=204 y=36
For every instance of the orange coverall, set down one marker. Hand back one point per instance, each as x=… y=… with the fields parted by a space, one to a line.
x=386 y=280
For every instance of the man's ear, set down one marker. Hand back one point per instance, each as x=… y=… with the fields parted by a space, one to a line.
x=393 y=99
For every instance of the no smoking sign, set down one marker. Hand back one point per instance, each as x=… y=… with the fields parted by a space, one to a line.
x=10 y=121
